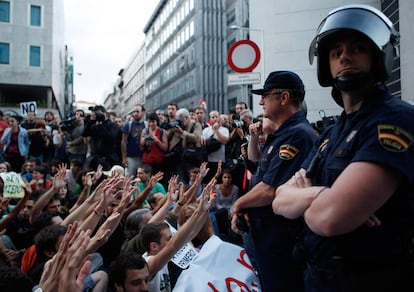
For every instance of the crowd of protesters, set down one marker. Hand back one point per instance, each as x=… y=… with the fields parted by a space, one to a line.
x=79 y=172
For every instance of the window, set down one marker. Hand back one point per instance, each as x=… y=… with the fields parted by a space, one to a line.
x=4 y=53
x=4 y=11
x=35 y=15
x=34 y=56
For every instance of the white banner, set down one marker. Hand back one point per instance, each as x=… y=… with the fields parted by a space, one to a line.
x=220 y=266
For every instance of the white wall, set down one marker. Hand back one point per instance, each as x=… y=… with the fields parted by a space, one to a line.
x=289 y=27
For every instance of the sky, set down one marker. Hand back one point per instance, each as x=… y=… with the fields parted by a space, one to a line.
x=103 y=35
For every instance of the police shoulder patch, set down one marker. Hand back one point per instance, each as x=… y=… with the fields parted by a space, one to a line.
x=287 y=152
x=393 y=138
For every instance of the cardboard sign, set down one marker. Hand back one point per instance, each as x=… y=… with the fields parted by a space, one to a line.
x=13 y=185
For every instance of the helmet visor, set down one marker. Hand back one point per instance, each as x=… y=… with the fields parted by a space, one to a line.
x=362 y=18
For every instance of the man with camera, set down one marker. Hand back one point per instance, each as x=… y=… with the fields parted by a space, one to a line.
x=104 y=138
x=184 y=136
x=270 y=239
x=239 y=137
x=73 y=128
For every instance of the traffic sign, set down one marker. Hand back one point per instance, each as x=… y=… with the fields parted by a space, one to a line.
x=243 y=56
x=244 y=78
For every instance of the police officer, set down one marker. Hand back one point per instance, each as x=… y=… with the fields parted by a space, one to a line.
x=356 y=203
x=271 y=238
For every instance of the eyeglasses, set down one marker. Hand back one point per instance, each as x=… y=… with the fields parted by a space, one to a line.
x=272 y=93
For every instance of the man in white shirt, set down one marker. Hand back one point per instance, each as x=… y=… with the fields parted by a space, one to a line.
x=217 y=131
x=161 y=246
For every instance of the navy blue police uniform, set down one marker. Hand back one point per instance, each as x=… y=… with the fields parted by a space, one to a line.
x=368 y=258
x=274 y=236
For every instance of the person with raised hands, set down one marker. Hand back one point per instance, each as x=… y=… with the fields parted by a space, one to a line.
x=59 y=181
x=161 y=246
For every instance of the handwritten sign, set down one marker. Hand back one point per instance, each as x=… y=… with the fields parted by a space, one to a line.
x=13 y=185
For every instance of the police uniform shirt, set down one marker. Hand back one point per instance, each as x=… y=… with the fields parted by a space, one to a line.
x=381 y=132
x=284 y=151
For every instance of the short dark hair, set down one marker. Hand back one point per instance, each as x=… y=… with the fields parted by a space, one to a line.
x=44 y=219
x=47 y=238
x=200 y=108
x=124 y=262
x=154 y=117
x=152 y=233
x=146 y=168
x=80 y=111
x=142 y=107
x=243 y=103
x=173 y=104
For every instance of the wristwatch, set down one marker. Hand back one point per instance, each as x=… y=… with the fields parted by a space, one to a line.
x=38 y=289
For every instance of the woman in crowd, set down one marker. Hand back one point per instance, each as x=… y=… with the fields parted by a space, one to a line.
x=154 y=143
x=16 y=144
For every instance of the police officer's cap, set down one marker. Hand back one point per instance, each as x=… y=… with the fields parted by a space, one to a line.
x=281 y=80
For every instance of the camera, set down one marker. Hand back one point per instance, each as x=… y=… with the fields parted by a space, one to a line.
x=68 y=124
x=148 y=140
x=100 y=117
x=238 y=124
x=175 y=123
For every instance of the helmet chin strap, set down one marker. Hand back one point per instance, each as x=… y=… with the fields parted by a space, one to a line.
x=354 y=82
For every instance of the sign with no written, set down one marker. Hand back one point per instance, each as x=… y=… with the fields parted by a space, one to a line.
x=26 y=107
x=13 y=185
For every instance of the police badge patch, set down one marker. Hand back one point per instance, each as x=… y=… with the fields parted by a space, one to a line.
x=393 y=138
x=287 y=152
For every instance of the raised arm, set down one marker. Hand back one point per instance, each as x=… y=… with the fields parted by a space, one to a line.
x=16 y=210
x=141 y=197
x=58 y=183
x=188 y=231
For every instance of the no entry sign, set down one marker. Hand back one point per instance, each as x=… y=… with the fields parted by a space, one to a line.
x=243 y=56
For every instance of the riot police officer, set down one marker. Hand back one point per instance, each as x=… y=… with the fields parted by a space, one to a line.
x=354 y=189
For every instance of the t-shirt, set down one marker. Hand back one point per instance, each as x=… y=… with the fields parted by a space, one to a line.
x=161 y=280
x=133 y=129
x=220 y=154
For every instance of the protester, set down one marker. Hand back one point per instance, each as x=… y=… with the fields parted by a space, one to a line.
x=154 y=144
x=131 y=140
x=354 y=190
x=16 y=144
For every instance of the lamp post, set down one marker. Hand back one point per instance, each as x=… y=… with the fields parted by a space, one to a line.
x=262 y=49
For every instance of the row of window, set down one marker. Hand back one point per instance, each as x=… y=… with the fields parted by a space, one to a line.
x=34 y=55
x=35 y=12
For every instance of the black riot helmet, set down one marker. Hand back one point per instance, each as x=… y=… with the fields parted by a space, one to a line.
x=365 y=21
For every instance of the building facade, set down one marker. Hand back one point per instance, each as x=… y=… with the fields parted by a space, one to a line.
x=32 y=54
x=187 y=41
x=186 y=50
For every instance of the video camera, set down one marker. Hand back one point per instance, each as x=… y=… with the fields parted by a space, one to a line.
x=68 y=124
x=175 y=123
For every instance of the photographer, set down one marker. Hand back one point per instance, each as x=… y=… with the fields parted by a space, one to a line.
x=73 y=128
x=104 y=138
x=154 y=144
x=239 y=135
x=183 y=134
